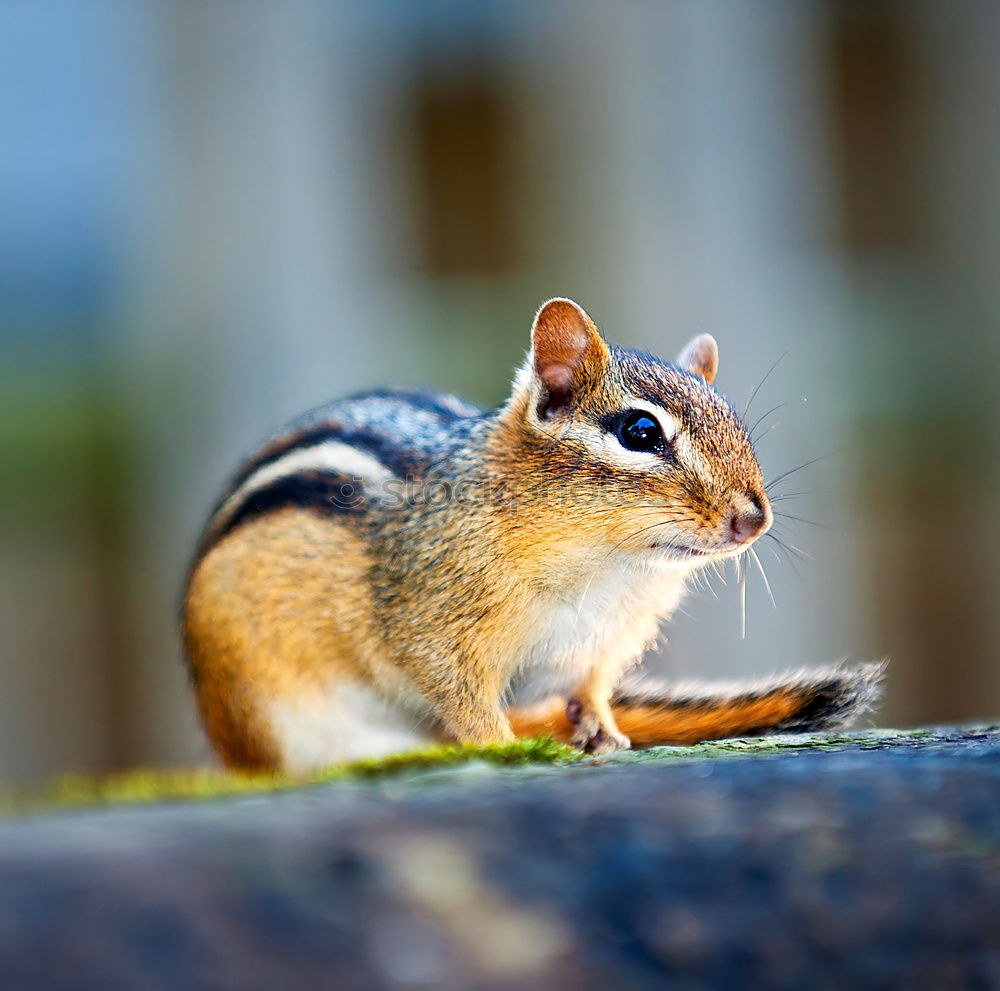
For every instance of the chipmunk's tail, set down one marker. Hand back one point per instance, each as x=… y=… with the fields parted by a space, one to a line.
x=797 y=703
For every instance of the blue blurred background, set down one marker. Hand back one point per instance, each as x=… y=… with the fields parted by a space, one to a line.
x=215 y=214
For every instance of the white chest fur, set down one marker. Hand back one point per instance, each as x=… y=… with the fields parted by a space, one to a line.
x=614 y=613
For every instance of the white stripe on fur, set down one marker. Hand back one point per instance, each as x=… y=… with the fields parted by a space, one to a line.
x=330 y=455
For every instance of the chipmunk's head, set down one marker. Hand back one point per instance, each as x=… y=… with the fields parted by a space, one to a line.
x=643 y=455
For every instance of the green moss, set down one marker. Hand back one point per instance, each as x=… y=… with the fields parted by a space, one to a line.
x=542 y=750
x=73 y=790
x=143 y=786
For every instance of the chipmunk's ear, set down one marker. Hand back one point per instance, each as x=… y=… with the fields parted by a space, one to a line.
x=568 y=352
x=700 y=357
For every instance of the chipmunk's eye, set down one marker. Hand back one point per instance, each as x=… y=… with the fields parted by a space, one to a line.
x=638 y=431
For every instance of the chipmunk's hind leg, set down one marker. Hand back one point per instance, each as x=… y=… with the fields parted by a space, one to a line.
x=234 y=728
x=316 y=727
x=341 y=722
x=276 y=622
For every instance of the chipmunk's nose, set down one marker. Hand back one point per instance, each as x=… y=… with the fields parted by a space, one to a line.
x=748 y=523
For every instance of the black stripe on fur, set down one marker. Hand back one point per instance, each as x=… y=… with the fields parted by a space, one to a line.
x=324 y=492
x=399 y=461
x=318 y=426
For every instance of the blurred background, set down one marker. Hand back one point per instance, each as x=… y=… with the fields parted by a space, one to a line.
x=216 y=214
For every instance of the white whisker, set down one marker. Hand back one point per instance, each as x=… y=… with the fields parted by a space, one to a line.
x=742 y=572
x=763 y=574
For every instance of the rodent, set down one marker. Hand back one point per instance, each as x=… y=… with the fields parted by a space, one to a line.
x=377 y=573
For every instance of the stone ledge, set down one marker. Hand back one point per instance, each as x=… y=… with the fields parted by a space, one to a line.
x=869 y=860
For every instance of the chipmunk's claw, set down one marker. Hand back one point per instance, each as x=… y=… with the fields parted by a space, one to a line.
x=591 y=736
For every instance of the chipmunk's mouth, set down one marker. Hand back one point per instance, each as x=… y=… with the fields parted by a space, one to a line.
x=691 y=552
x=684 y=553
x=675 y=550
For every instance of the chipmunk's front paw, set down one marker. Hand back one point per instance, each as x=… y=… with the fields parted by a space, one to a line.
x=591 y=735
x=605 y=741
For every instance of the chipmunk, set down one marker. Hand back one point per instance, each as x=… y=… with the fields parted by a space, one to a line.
x=376 y=574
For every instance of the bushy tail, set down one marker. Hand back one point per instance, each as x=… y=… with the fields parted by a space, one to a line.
x=796 y=703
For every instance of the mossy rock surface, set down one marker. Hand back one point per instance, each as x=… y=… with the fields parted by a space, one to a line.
x=867 y=860
x=74 y=791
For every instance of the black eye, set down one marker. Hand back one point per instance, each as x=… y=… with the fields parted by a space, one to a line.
x=638 y=431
